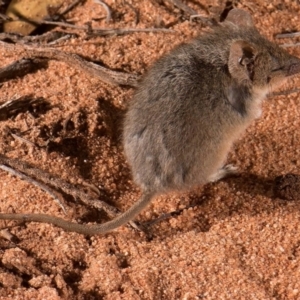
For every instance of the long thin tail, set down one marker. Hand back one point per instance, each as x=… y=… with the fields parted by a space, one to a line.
x=82 y=228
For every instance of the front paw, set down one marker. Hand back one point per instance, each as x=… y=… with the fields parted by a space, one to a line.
x=225 y=171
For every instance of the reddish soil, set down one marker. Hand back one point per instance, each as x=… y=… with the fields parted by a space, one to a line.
x=233 y=239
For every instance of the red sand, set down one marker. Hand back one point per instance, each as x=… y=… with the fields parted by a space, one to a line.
x=234 y=240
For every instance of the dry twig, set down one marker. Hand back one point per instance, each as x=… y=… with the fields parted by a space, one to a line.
x=107 y=9
x=57 y=198
x=4 y=233
x=12 y=107
x=284 y=92
x=63 y=38
x=70 y=7
x=288 y=35
x=104 y=74
x=122 y=31
x=105 y=31
x=48 y=179
x=23 y=140
x=204 y=20
x=289 y=45
x=98 y=31
x=47 y=37
x=27 y=172
x=20 y=68
x=183 y=7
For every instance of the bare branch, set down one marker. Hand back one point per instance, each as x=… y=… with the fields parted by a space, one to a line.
x=204 y=20
x=21 y=104
x=99 y=31
x=289 y=45
x=122 y=31
x=106 y=31
x=57 y=198
x=48 y=179
x=20 y=68
x=104 y=74
x=107 y=9
x=47 y=37
x=183 y=7
x=288 y=35
x=4 y=233
x=284 y=92
x=70 y=7
x=23 y=140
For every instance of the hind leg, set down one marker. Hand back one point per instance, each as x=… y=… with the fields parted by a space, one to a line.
x=225 y=171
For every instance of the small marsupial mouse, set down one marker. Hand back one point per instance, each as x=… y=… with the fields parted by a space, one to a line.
x=188 y=110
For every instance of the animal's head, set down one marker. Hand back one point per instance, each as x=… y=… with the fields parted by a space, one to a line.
x=257 y=61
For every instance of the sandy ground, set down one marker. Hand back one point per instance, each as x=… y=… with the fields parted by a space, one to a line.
x=231 y=240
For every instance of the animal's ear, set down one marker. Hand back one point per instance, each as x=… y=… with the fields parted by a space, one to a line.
x=241 y=60
x=240 y=18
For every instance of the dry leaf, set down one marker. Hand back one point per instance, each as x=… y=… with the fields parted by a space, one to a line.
x=33 y=10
